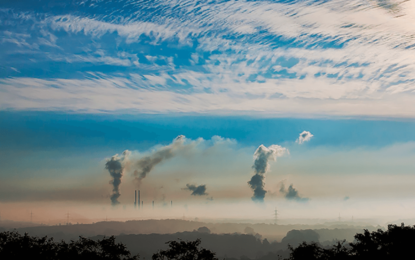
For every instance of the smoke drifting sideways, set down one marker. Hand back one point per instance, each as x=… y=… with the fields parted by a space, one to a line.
x=116 y=167
x=145 y=165
x=197 y=190
x=305 y=136
x=142 y=166
x=262 y=156
x=292 y=194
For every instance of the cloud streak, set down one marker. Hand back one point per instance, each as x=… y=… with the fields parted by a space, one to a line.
x=330 y=58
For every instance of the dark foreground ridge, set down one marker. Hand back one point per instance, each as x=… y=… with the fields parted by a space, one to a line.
x=394 y=243
x=16 y=246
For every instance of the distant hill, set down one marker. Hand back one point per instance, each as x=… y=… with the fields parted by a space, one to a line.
x=271 y=232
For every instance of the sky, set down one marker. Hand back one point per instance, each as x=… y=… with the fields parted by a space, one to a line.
x=227 y=108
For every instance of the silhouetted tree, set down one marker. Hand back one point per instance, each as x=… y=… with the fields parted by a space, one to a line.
x=203 y=230
x=184 y=250
x=304 y=251
x=16 y=246
x=339 y=251
x=394 y=243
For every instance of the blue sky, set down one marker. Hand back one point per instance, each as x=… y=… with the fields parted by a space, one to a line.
x=81 y=81
x=278 y=58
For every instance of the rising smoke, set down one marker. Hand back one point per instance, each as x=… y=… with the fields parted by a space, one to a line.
x=292 y=194
x=115 y=166
x=262 y=156
x=305 y=136
x=145 y=165
x=196 y=190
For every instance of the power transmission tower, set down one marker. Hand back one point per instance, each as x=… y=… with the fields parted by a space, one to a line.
x=275 y=216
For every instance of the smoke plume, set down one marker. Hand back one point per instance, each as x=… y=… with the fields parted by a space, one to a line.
x=145 y=165
x=305 y=136
x=292 y=194
x=262 y=156
x=116 y=170
x=196 y=190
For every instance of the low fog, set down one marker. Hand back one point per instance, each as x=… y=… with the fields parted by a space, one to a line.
x=233 y=240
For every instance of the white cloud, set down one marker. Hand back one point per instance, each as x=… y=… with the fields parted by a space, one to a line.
x=369 y=73
x=127 y=95
x=305 y=136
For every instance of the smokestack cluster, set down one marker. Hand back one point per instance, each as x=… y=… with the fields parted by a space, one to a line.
x=137 y=198
x=143 y=166
x=262 y=156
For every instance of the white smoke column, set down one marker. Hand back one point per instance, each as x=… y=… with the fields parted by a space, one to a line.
x=305 y=136
x=262 y=156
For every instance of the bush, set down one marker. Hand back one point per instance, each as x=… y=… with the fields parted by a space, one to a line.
x=16 y=246
x=394 y=243
x=184 y=250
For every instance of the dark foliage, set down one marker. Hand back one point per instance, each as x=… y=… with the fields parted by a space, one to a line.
x=16 y=246
x=394 y=243
x=184 y=250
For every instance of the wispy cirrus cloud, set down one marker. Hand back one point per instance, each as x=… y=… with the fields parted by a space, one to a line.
x=308 y=58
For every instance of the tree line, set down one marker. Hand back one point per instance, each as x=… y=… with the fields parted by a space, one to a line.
x=394 y=243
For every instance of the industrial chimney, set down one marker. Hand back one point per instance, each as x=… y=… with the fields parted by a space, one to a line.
x=139 y=197
x=135 y=199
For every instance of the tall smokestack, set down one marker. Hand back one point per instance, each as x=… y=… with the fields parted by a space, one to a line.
x=142 y=203
x=135 y=199
x=171 y=203
x=139 y=198
x=153 y=204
